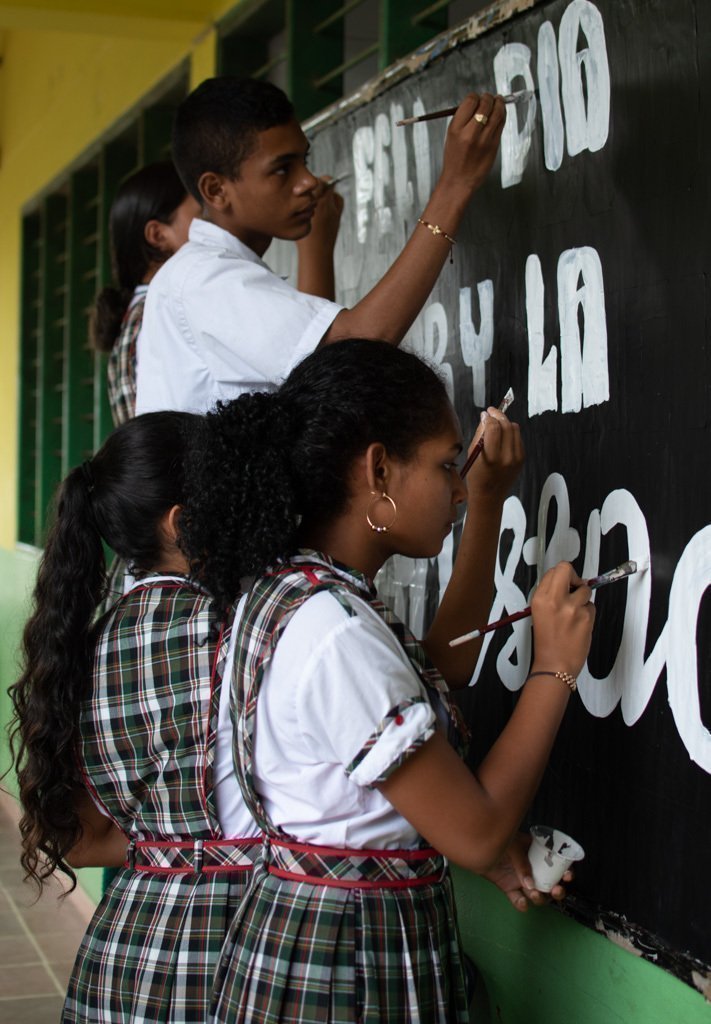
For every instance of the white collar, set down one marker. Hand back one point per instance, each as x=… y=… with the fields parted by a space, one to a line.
x=205 y=233
x=152 y=578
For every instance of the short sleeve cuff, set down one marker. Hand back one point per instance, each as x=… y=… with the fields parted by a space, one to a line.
x=403 y=730
x=326 y=313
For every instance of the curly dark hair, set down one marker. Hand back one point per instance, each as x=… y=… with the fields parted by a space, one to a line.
x=269 y=466
x=153 y=193
x=119 y=498
x=215 y=127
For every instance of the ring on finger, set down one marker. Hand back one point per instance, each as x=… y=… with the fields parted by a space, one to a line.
x=481 y=118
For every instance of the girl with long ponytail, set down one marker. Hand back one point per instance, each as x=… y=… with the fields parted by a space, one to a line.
x=346 y=745
x=121 y=738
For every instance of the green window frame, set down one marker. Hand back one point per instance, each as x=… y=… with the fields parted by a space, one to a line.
x=64 y=411
x=305 y=46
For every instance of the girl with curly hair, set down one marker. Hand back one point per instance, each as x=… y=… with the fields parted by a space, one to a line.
x=122 y=742
x=346 y=746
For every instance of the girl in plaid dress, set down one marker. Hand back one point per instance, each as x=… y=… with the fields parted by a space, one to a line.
x=346 y=747
x=148 y=222
x=123 y=742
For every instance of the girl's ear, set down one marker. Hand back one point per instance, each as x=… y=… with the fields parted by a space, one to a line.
x=155 y=234
x=172 y=523
x=210 y=186
x=377 y=467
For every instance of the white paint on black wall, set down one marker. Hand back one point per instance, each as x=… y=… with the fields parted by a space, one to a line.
x=476 y=345
x=512 y=71
x=584 y=71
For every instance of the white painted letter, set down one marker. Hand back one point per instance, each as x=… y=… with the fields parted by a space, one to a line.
x=363 y=150
x=514 y=61
x=630 y=678
x=564 y=544
x=542 y=373
x=553 y=130
x=584 y=129
x=381 y=173
x=421 y=143
x=583 y=362
x=476 y=346
x=515 y=656
x=691 y=579
x=434 y=347
x=403 y=186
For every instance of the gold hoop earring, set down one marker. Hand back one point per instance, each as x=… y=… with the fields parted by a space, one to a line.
x=380 y=497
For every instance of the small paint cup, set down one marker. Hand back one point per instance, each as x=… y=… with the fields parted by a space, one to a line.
x=550 y=855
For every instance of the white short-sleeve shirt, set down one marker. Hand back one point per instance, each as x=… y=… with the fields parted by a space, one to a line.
x=340 y=707
x=218 y=323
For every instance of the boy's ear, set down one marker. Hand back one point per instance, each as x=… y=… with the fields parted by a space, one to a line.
x=211 y=188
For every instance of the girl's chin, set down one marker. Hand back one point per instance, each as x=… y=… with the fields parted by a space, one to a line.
x=429 y=551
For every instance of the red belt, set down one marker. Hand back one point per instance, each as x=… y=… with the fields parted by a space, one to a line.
x=353 y=869
x=188 y=856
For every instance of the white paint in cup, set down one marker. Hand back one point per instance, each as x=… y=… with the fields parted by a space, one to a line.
x=550 y=855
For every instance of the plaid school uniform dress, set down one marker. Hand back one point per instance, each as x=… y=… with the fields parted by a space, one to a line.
x=147 y=752
x=323 y=934
x=121 y=367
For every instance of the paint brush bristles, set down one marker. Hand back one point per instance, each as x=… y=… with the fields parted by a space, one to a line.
x=513 y=97
x=479 y=446
x=619 y=573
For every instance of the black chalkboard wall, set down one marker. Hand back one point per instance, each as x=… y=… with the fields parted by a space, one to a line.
x=582 y=278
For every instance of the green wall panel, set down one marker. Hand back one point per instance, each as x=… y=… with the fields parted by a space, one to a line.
x=17 y=573
x=543 y=968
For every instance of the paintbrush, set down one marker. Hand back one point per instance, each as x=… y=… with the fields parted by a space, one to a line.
x=479 y=446
x=335 y=181
x=620 y=573
x=512 y=97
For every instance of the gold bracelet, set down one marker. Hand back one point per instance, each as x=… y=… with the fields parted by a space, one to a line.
x=437 y=230
x=563 y=676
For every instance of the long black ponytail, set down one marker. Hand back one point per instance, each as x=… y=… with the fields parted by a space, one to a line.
x=118 y=497
x=269 y=465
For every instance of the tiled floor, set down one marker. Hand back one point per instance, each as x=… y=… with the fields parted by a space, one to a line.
x=38 y=939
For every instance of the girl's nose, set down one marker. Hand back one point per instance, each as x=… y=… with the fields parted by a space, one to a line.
x=459 y=491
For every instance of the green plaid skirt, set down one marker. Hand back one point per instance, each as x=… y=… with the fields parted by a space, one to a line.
x=303 y=953
x=151 y=950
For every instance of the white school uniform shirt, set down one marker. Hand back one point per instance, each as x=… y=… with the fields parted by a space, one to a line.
x=329 y=686
x=218 y=322
x=232 y=812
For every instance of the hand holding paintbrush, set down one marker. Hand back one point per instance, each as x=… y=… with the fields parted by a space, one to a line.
x=512 y=97
x=479 y=446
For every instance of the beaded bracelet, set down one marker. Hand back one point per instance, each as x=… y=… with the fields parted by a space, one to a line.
x=565 y=677
x=437 y=230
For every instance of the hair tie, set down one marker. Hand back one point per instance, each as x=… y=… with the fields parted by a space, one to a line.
x=88 y=473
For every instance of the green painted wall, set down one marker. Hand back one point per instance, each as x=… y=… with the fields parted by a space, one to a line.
x=539 y=967
x=17 y=570
x=542 y=968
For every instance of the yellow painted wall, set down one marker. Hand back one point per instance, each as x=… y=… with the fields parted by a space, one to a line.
x=59 y=92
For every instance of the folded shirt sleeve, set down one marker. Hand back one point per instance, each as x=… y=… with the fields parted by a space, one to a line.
x=249 y=324
x=358 y=700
